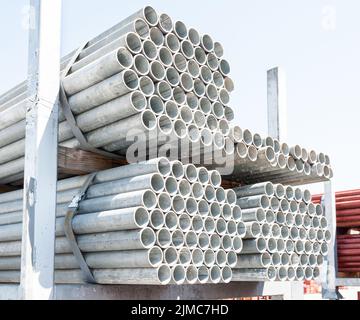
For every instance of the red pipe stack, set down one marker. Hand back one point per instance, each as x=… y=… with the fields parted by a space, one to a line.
x=347 y=208
x=347 y=216
x=348 y=248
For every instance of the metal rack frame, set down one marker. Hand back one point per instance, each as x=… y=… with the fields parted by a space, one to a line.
x=38 y=265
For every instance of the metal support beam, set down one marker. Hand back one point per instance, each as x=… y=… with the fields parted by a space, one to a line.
x=277 y=104
x=329 y=271
x=277 y=128
x=37 y=261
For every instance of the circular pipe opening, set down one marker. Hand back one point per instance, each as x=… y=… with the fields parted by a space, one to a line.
x=221 y=258
x=178 y=204
x=185 y=256
x=199 y=88
x=224 y=67
x=146 y=86
x=226 y=274
x=237 y=244
x=171 y=110
x=226 y=211
x=193 y=69
x=215 y=210
x=150 y=16
x=206 y=74
x=187 y=49
x=192 y=275
x=197 y=190
x=215 y=241
x=177 y=239
x=171 y=221
x=180 y=62
x=203 y=208
x=165 y=23
x=142 y=28
x=186 y=82
x=231 y=197
x=212 y=61
x=218 y=50
x=172 y=42
x=226 y=243
x=184 y=223
x=203 y=241
x=203 y=274
x=265 y=230
x=209 y=258
x=184 y=188
x=179 y=95
x=229 y=114
x=172 y=76
x=221 y=226
x=231 y=228
x=149 y=200
x=197 y=224
x=241 y=229
x=163 y=238
x=191 y=204
x=170 y=256
x=164 y=275
x=150 y=50
x=156 y=105
x=164 y=202
x=194 y=37
x=157 y=37
x=211 y=92
x=179 y=275
x=191 y=239
x=165 y=56
x=207 y=43
x=180 y=30
x=130 y=79
x=217 y=110
x=133 y=43
x=157 y=71
x=209 y=225
x=197 y=257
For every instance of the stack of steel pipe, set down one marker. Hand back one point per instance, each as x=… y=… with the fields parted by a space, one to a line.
x=347 y=208
x=146 y=74
x=286 y=234
x=257 y=159
x=348 y=253
x=156 y=222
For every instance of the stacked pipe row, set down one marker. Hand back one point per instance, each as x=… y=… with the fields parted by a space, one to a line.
x=144 y=75
x=347 y=208
x=258 y=159
x=286 y=234
x=156 y=222
x=348 y=252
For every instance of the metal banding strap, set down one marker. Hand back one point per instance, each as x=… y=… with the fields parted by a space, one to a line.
x=69 y=116
x=69 y=232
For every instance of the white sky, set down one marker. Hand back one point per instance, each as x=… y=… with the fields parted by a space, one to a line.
x=317 y=43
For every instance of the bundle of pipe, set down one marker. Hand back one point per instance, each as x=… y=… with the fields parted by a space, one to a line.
x=348 y=252
x=146 y=74
x=257 y=159
x=347 y=208
x=156 y=222
x=286 y=234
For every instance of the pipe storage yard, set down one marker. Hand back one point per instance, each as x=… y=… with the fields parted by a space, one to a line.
x=198 y=199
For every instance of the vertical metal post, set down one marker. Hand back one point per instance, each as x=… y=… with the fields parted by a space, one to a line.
x=276 y=101
x=329 y=270
x=277 y=128
x=37 y=261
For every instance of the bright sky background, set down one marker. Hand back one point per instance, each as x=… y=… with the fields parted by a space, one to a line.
x=316 y=41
